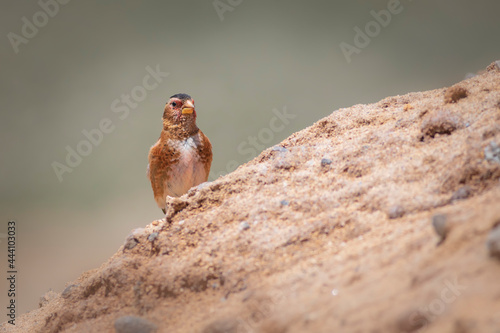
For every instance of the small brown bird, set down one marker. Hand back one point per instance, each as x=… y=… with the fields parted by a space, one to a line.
x=182 y=156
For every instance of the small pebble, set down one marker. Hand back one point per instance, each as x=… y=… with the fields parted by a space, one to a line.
x=47 y=298
x=280 y=149
x=492 y=152
x=396 y=212
x=284 y=164
x=130 y=242
x=132 y=324
x=441 y=122
x=412 y=321
x=225 y=325
x=67 y=291
x=326 y=161
x=201 y=186
x=244 y=226
x=440 y=225
x=463 y=325
x=153 y=237
x=493 y=242
x=284 y=202
x=462 y=193
x=454 y=94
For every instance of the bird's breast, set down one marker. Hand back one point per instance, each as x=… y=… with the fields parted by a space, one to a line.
x=187 y=171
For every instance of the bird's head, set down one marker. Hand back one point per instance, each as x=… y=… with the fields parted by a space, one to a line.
x=180 y=111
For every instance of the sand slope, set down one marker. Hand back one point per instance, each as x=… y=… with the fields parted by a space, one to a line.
x=331 y=231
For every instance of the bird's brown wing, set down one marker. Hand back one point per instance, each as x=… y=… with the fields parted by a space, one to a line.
x=161 y=157
x=205 y=153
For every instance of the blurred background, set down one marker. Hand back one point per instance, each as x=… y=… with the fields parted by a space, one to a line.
x=66 y=71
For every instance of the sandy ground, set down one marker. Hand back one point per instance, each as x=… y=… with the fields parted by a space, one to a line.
x=378 y=218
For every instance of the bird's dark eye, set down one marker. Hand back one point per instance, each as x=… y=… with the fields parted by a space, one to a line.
x=174 y=104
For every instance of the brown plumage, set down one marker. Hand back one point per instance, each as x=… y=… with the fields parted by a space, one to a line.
x=182 y=156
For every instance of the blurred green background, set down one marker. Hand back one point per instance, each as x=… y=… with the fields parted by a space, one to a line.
x=262 y=55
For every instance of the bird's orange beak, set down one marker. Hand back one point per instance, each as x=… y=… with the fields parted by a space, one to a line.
x=188 y=107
